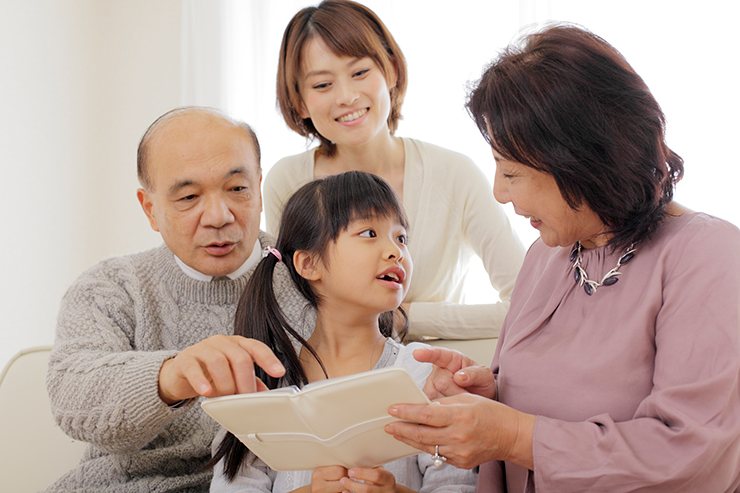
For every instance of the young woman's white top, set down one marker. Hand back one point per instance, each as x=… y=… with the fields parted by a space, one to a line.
x=452 y=216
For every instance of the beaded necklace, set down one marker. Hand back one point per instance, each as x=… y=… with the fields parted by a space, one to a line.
x=609 y=279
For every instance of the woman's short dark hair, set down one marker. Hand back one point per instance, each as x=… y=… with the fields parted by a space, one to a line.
x=567 y=103
x=348 y=29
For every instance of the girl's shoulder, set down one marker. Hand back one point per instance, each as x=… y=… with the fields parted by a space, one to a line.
x=419 y=371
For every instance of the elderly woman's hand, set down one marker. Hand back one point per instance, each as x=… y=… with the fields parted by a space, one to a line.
x=468 y=430
x=454 y=373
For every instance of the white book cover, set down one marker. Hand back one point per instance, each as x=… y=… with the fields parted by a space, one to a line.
x=339 y=421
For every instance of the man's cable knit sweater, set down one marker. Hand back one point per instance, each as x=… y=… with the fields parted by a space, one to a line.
x=117 y=324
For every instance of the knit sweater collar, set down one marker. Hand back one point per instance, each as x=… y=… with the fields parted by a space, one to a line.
x=188 y=289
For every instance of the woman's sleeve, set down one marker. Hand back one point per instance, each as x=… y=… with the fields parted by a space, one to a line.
x=486 y=228
x=685 y=436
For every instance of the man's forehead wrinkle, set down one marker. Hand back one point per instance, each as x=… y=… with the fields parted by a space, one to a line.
x=180 y=185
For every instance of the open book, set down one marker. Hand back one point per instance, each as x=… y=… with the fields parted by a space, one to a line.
x=339 y=421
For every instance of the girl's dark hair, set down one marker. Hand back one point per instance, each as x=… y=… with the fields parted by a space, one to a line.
x=567 y=103
x=348 y=29
x=313 y=217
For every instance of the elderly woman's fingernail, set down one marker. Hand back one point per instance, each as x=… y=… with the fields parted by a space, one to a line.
x=393 y=411
x=463 y=376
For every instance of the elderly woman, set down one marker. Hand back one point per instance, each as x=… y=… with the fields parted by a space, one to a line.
x=618 y=366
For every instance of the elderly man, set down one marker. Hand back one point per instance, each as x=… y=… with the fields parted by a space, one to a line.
x=140 y=337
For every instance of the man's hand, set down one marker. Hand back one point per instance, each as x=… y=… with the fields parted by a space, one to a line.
x=454 y=373
x=219 y=365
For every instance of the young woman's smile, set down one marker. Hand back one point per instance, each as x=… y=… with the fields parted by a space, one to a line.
x=346 y=98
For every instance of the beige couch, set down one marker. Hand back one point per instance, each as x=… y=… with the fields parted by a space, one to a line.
x=34 y=451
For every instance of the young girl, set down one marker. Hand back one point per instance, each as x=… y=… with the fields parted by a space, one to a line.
x=343 y=241
x=342 y=79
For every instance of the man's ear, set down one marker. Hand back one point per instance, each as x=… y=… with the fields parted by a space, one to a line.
x=260 y=190
x=147 y=206
x=307 y=265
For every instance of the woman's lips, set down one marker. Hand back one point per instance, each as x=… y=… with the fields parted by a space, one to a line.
x=351 y=117
x=534 y=221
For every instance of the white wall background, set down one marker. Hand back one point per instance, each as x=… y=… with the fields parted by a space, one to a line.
x=80 y=80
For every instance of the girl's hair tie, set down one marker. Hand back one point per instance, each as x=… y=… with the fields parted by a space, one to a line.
x=270 y=250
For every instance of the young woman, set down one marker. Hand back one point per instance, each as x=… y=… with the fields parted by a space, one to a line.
x=342 y=79
x=343 y=241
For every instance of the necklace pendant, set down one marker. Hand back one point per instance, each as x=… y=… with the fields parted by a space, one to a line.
x=610 y=280
x=581 y=277
x=627 y=257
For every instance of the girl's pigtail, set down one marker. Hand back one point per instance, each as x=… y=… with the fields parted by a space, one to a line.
x=258 y=316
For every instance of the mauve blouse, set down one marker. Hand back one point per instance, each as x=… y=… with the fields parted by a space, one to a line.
x=635 y=388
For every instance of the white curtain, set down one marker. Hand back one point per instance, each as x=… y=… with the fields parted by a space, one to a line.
x=204 y=45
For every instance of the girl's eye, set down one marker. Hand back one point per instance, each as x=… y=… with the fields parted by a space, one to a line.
x=368 y=233
x=403 y=239
x=362 y=72
x=323 y=85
